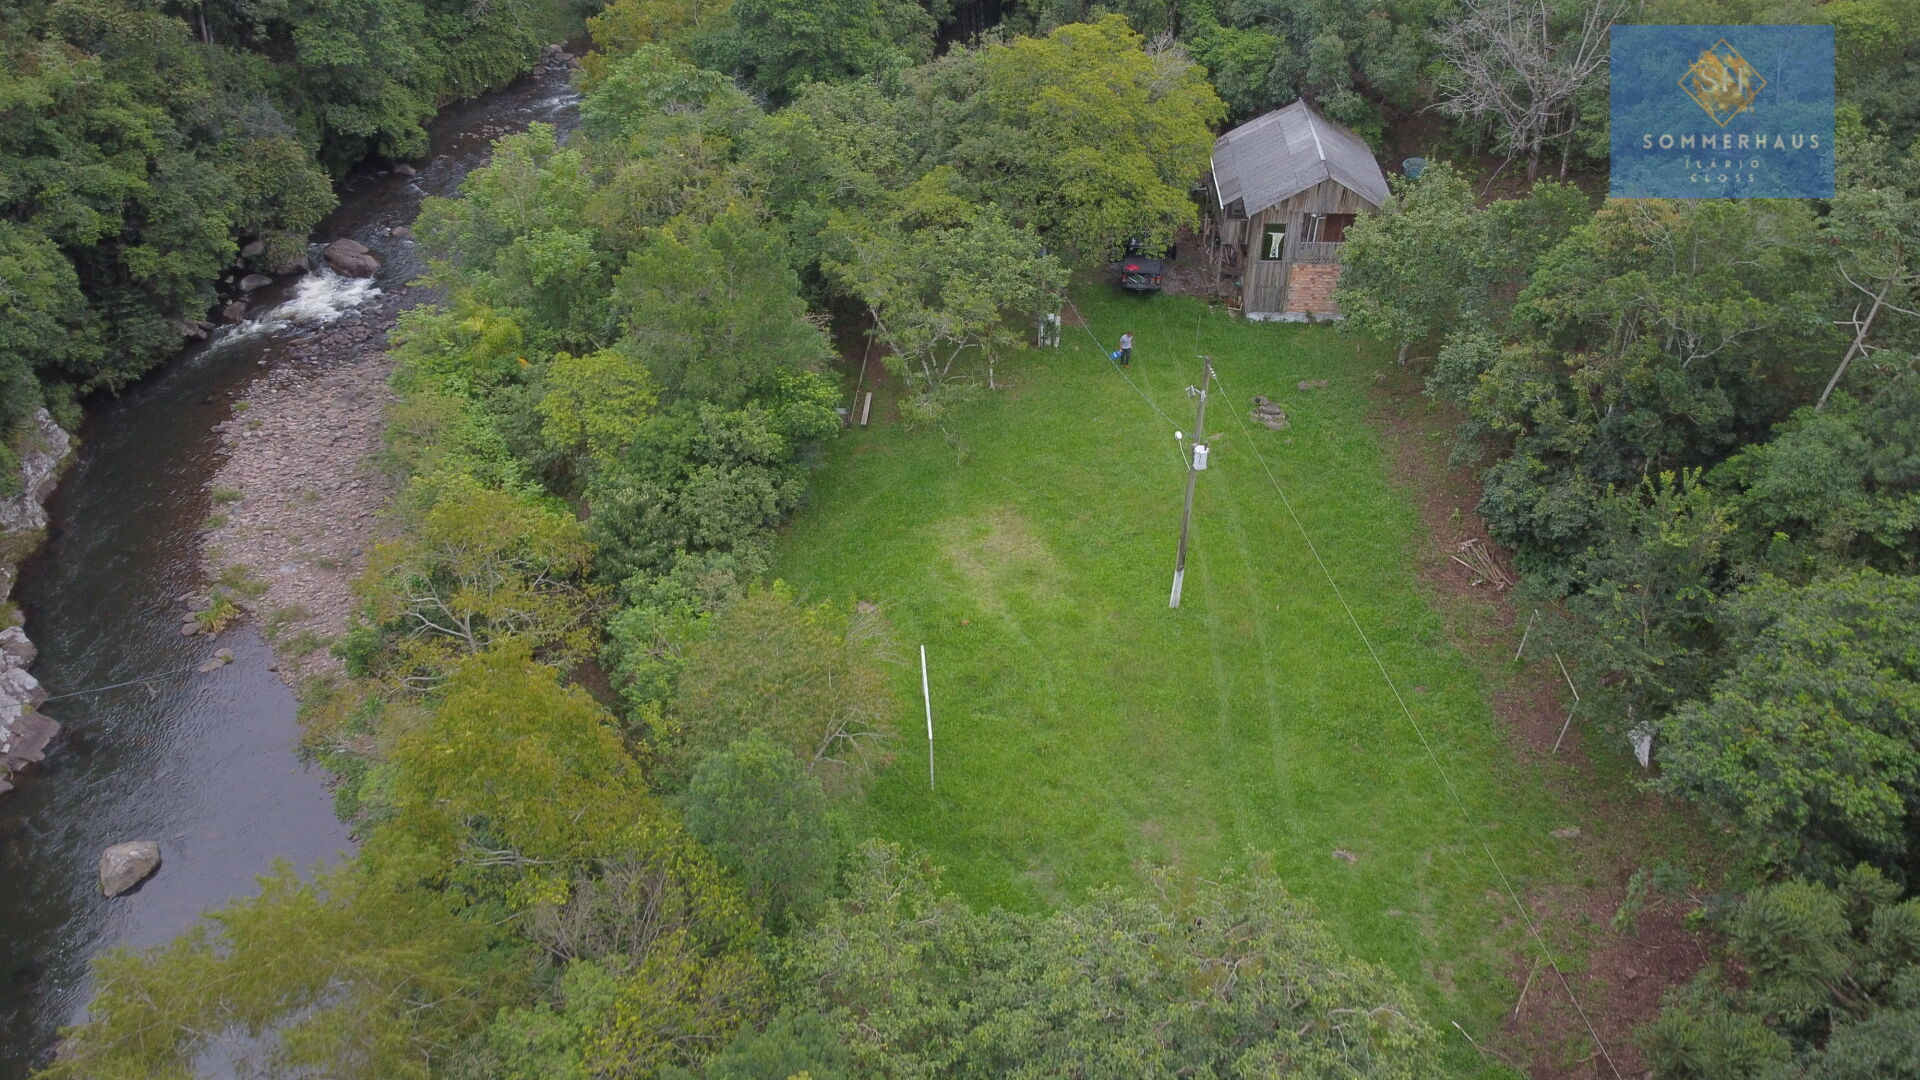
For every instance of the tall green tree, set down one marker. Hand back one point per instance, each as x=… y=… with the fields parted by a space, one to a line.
x=477 y=567
x=345 y=975
x=1830 y=989
x=754 y=805
x=1403 y=279
x=1225 y=978
x=781 y=45
x=1091 y=137
x=1810 y=742
x=950 y=287
x=713 y=309
x=809 y=677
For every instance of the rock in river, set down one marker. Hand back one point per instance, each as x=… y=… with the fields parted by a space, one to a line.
x=254 y=281
x=352 y=258
x=123 y=866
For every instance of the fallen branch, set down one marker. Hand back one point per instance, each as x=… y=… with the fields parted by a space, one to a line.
x=1481 y=561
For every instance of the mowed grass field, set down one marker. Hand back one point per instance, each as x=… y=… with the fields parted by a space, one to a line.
x=1085 y=731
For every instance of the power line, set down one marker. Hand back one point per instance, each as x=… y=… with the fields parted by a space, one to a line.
x=129 y=682
x=1453 y=793
x=1088 y=327
x=1195 y=462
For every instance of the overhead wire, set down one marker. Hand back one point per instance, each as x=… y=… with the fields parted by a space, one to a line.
x=118 y=685
x=1426 y=744
x=1118 y=370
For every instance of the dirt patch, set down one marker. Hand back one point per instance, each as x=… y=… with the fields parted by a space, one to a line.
x=1001 y=557
x=1618 y=976
x=863 y=370
x=1619 y=983
x=1198 y=270
x=297 y=500
x=1482 y=619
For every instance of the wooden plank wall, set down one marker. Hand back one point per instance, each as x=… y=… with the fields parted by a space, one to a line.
x=1264 y=285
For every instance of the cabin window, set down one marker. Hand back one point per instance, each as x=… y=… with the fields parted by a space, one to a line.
x=1326 y=228
x=1273 y=242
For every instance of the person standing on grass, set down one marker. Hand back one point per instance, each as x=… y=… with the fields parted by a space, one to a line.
x=1126 y=348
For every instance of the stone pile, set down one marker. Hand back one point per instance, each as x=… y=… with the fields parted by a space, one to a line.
x=554 y=60
x=1269 y=413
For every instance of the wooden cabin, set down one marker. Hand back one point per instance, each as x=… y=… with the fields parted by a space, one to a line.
x=1284 y=188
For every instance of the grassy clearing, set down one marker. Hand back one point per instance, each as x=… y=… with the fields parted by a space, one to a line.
x=1085 y=730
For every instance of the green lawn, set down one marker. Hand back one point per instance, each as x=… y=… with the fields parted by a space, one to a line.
x=1085 y=730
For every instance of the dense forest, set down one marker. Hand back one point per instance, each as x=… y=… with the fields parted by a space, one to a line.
x=148 y=149
x=1696 y=424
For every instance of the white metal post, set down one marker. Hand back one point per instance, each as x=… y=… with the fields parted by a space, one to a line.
x=927 y=696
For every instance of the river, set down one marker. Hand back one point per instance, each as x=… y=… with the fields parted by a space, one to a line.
x=205 y=763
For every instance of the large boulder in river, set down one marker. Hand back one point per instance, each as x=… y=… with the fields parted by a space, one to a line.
x=234 y=312
x=352 y=258
x=254 y=281
x=123 y=866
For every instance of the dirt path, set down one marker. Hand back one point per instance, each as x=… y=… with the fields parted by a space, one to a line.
x=297 y=502
x=1617 y=972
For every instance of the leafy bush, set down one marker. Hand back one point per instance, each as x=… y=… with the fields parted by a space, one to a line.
x=1810 y=742
x=1830 y=990
x=760 y=812
x=810 y=678
x=1225 y=978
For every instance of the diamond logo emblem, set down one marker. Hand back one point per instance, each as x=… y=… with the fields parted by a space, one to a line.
x=1722 y=82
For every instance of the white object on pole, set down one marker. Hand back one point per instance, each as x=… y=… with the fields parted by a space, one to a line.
x=1642 y=738
x=927 y=695
x=1195 y=463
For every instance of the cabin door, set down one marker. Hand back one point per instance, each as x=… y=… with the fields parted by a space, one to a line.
x=1266 y=289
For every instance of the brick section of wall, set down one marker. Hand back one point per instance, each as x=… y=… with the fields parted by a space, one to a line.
x=1310 y=289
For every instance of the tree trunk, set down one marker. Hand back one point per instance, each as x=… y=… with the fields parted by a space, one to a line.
x=1859 y=345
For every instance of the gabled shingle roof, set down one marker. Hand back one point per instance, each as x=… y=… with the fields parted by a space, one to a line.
x=1279 y=155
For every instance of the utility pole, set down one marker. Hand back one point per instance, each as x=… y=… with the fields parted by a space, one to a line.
x=1196 y=460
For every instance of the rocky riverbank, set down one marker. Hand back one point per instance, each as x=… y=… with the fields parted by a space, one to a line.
x=44 y=449
x=296 y=503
